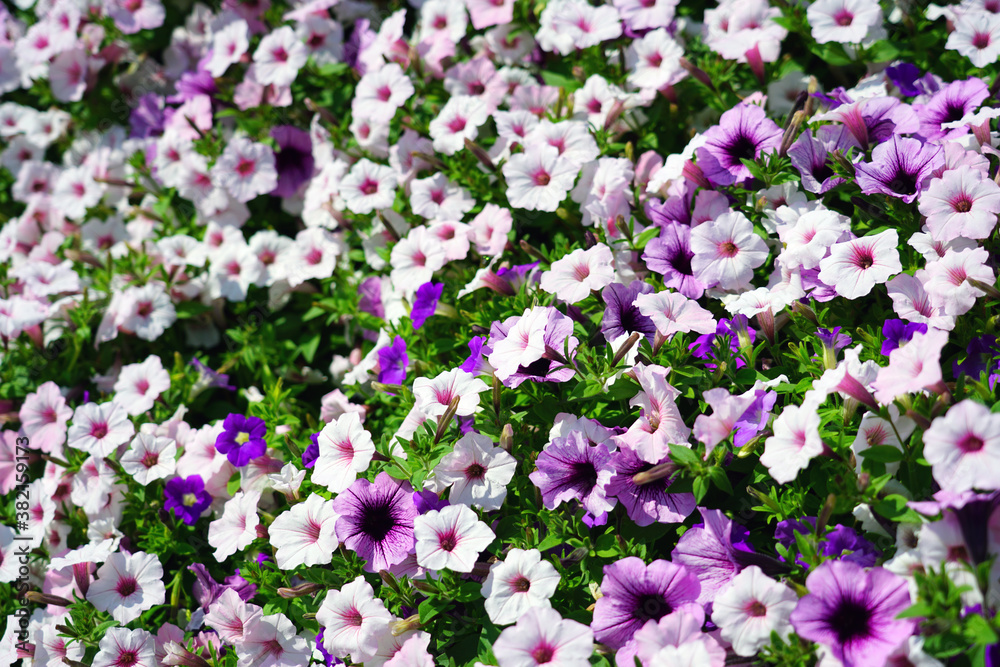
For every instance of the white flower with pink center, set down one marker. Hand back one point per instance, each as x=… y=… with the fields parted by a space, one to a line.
x=305 y=535
x=228 y=46
x=44 y=416
x=673 y=312
x=477 y=472
x=574 y=276
x=543 y=637
x=854 y=267
x=433 y=396
x=726 y=251
x=237 y=527
x=368 y=186
x=977 y=37
x=521 y=581
x=796 y=441
x=139 y=385
x=246 y=169
x=752 y=606
x=279 y=57
x=457 y=121
x=230 y=616
x=843 y=21
x=353 y=619
x=539 y=179
x=121 y=647
x=963 y=448
x=99 y=429
x=451 y=538
x=127 y=585
x=345 y=449
x=523 y=344
x=963 y=202
x=271 y=641
x=150 y=457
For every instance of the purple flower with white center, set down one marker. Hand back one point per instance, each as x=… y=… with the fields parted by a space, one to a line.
x=621 y=315
x=809 y=154
x=572 y=469
x=743 y=132
x=898 y=168
x=186 y=498
x=949 y=104
x=242 y=439
x=376 y=521
x=897 y=332
x=293 y=160
x=635 y=593
x=853 y=612
x=425 y=302
x=670 y=255
x=392 y=361
x=651 y=501
x=714 y=551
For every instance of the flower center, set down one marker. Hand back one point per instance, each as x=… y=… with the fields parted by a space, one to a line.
x=448 y=541
x=127 y=658
x=126 y=586
x=963 y=204
x=543 y=654
x=850 y=621
x=242 y=438
x=728 y=249
x=475 y=471
x=150 y=459
x=369 y=187
x=521 y=584
x=756 y=609
x=971 y=443
x=245 y=167
x=377 y=522
x=981 y=40
x=189 y=499
x=99 y=431
x=651 y=607
x=843 y=18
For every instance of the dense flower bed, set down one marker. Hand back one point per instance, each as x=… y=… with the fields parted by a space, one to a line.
x=499 y=333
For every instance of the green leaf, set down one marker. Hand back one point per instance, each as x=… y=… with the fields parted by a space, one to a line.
x=978 y=630
x=720 y=479
x=569 y=84
x=882 y=454
x=700 y=488
x=646 y=237
x=233 y=485
x=606 y=546
x=684 y=456
x=431 y=607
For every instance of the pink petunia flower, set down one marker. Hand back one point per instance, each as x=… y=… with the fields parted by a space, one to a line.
x=539 y=179
x=150 y=457
x=963 y=202
x=236 y=529
x=127 y=585
x=963 y=448
x=305 y=534
x=279 y=57
x=246 y=169
x=854 y=267
x=672 y=312
x=345 y=449
x=353 y=618
x=139 y=385
x=574 y=276
x=543 y=637
x=434 y=395
x=477 y=472
x=519 y=582
x=44 y=416
x=99 y=429
x=795 y=442
x=726 y=251
x=450 y=538
x=913 y=367
x=121 y=647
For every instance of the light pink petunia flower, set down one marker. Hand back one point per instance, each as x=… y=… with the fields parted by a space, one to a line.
x=726 y=251
x=477 y=472
x=854 y=267
x=795 y=442
x=345 y=449
x=672 y=312
x=99 y=429
x=127 y=585
x=353 y=619
x=434 y=395
x=543 y=637
x=237 y=527
x=913 y=367
x=963 y=202
x=44 y=416
x=574 y=276
x=520 y=581
x=963 y=448
x=121 y=647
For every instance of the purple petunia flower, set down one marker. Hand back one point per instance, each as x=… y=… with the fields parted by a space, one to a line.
x=558 y=336
x=393 y=361
x=207 y=590
x=242 y=439
x=755 y=418
x=703 y=346
x=897 y=332
x=715 y=551
x=845 y=543
x=571 y=468
x=147 y=118
x=949 y=104
x=209 y=378
x=370 y=297
x=650 y=502
x=621 y=315
x=905 y=76
x=743 y=132
x=293 y=159
x=832 y=338
x=519 y=275
x=809 y=154
x=475 y=363
x=428 y=501
x=670 y=255
x=898 y=168
x=853 y=612
x=186 y=498
x=425 y=302
x=635 y=593
x=673 y=210
x=376 y=520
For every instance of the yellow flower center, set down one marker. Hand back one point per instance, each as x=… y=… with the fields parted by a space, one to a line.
x=189 y=499
x=242 y=438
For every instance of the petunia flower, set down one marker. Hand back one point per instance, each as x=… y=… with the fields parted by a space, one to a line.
x=571 y=468
x=795 y=442
x=426 y=301
x=139 y=385
x=450 y=538
x=714 y=551
x=853 y=612
x=376 y=520
x=236 y=529
x=543 y=637
x=477 y=472
x=127 y=585
x=854 y=267
x=242 y=439
x=651 y=500
x=271 y=641
x=962 y=203
x=673 y=312
x=345 y=449
x=539 y=179
x=120 y=647
x=44 y=415
x=912 y=368
x=726 y=251
x=246 y=169
x=621 y=316
x=305 y=534
x=352 y=620
x=575 y=275
x=660 y=423
x=230 y=616
x=843 y=21
x=187 y=498
x=520 y=581
x=743 y=132
x=635 y=593
x=750 y=608
x=150 y=457
x=963 y=447
x=898 y=168
x=433 y=396
x=99 y=429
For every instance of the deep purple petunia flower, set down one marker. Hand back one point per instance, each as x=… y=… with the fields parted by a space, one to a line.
x=634 y=593
x=621 y=315
x=670 y=255
x=897 y=332
x=949 y=104
x=242 y=439
x=475 y=363
x=898 y=168
x=905 y=76
x=426 y=301
x=845 y=543
x=676 y=209
x=809 y=154
x=833 y=339
x=743 y=132
x=376 y=520
x=428 y=501
x=293 y=159
x=393 y=361
x=571 y=468
x=186 y=498
x=703 y=346
x=650 y=502
x=853 y=612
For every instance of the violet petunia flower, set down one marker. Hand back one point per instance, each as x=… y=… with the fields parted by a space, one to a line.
x=715 y=551
x=426 y=301
x=949 y=104
x=898 y=168
x=810 y=155
x=670 y=255
x=846 y=544
x=853 y=611
x=242 y=439
x=370 y=297
x=906 y=77
x=207 y=590
x=519 y=275
x=755 y=418
x=621 y=315
x=897 y=332
x=571 y=468
x=557 y=335
x=635 y=593
x=293 y=160
x=651 y=501
x=743 y=132
x=392 y=361
x=980 y=355
x=311 y=454
x=673 y=210
x=209 y=378
x=703 y=346
x=376 y=521
x=147 y=118
x=186 y=498
x=475 y=363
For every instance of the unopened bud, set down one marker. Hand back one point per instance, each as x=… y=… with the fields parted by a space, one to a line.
x=507 y=438
x=446 y=418
x=308 y=588
x=533 y=251
x=655 y=473
x=175 y=654
x=624 y=349
x=481 y=154
x=262 y=532
x=423 y=586
x=45 y=598
x=389 y=580
x=826 y=512
x=697 y=73
x=614 y=113
x=406 y=624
